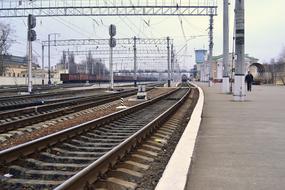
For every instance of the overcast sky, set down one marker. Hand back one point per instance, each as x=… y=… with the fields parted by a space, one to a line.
x=265 y=30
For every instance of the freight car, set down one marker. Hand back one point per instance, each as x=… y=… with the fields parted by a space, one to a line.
x=82 y=78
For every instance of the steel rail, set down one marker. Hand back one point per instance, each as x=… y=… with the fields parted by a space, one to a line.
x=86 y=177
x=63 y=111
x=33 y=99
x=12 y=154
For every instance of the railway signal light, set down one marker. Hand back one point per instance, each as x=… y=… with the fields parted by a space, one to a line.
x=32 y=22
x=32 y=35
x=112 y=30
x=112 y=42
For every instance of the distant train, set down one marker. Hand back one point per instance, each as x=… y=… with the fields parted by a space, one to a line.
x=82 y=78
x=184 y=78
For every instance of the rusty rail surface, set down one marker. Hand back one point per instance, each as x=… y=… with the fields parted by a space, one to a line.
x=89 y=174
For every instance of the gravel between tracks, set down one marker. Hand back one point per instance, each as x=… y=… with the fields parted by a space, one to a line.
x=154 y=173
x=71 y=120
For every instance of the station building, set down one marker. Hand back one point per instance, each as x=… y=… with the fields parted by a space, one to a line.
x=202 y=66
x=15 y=66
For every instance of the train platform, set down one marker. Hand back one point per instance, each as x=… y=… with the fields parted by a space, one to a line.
x=240 y=145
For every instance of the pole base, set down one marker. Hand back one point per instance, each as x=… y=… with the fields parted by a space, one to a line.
x=43 y=82
x=135 y=83
x=226 y=85
x=239 y=88
x=168 y=84
x=49 y=82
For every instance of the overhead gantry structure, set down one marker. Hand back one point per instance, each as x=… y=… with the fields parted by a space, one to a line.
x=44 y=8
x=48 y=8
x=130 y=50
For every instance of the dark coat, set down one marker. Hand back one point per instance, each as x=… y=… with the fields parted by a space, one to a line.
x=249 y=78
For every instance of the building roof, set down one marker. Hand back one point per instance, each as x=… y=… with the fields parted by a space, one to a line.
x=11 y=59
x=14 y=60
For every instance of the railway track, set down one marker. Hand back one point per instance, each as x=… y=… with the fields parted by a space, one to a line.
x=11 y=120
x=23 y=101
x=143 y=166
x=85 y=150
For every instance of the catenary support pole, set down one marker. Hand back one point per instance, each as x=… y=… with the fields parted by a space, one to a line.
x=43 y=65
x=211 y=45
x=172 y=63
x=135 y=62
x=239 y=85
x=49 y=82
x=226 y=79
x=168 y=62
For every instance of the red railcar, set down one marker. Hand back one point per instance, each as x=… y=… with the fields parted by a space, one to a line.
x=82 y=78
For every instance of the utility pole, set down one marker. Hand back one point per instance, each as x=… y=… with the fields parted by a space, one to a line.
x=68 y=66
x=43 y=65
x=49 y=81
x=239 y=85
x=135 y=62
x=211 y=45
x=172 y=62
x=168 y=61
x=226 y=79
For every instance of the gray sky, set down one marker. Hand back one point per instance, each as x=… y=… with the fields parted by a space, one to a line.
x=265 y=30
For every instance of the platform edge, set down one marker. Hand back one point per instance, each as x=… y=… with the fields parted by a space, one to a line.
x=176 y=172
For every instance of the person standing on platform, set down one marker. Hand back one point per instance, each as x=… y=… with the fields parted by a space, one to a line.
x=249 y=80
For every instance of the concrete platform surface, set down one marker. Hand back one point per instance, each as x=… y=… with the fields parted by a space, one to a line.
x=241 y=145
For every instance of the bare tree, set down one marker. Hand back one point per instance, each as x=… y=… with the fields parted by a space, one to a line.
x=71 y=64
x=94 y=66
x=63 y=60
x=5 y=43
x=282 y=55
